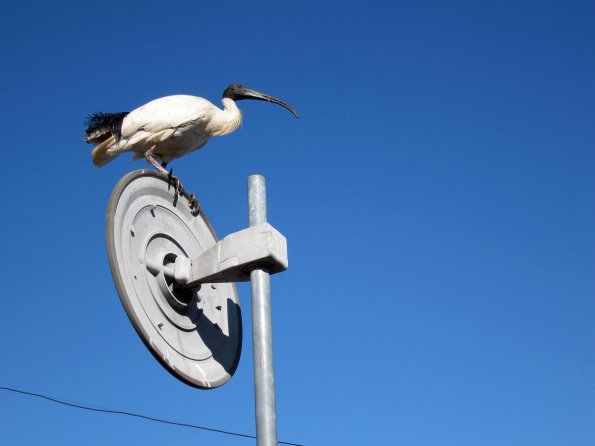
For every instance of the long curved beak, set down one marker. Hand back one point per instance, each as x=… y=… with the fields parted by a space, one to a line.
x=248 y=93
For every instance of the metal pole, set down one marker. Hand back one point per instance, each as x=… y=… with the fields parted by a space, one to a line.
x=262 y=336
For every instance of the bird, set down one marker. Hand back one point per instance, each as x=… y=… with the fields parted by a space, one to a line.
x=169 y=127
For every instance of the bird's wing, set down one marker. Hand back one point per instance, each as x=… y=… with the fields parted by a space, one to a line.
x=165 y=114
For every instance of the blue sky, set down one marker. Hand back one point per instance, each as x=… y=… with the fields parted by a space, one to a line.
x=436 y=193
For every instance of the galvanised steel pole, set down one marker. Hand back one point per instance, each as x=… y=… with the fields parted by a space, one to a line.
x=262 y=336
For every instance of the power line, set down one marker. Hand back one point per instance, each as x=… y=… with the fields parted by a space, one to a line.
x=131 y=414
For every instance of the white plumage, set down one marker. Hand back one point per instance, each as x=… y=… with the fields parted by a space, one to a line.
x=169 y=127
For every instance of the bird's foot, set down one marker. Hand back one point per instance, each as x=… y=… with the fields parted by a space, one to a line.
x=174 y=181
x=193 y=204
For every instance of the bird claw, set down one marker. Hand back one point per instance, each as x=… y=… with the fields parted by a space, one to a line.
x=174 y=181
x=171 y=179
x=193 y=203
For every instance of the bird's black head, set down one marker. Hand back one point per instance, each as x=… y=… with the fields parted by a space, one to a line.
x=234 y=92
x=237 y=92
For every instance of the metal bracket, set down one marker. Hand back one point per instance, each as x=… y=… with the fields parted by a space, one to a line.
x=233 y=258
x=229 y=260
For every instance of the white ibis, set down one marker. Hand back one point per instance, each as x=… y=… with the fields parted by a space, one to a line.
x=169 y=127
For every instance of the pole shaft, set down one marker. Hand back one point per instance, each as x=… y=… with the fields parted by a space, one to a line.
x=262 y=336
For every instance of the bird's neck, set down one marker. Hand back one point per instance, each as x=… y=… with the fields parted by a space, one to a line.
x=226 y=120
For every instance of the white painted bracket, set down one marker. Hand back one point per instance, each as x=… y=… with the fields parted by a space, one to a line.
x=233 y=258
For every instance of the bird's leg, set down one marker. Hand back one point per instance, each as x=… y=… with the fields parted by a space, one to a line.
x=153 y=161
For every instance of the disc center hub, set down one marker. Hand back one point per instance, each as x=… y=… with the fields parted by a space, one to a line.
x=171 y=272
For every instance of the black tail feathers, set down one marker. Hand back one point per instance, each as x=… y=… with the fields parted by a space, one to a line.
x=101 y=126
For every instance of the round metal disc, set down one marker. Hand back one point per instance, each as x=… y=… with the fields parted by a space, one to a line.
x=195 y=334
